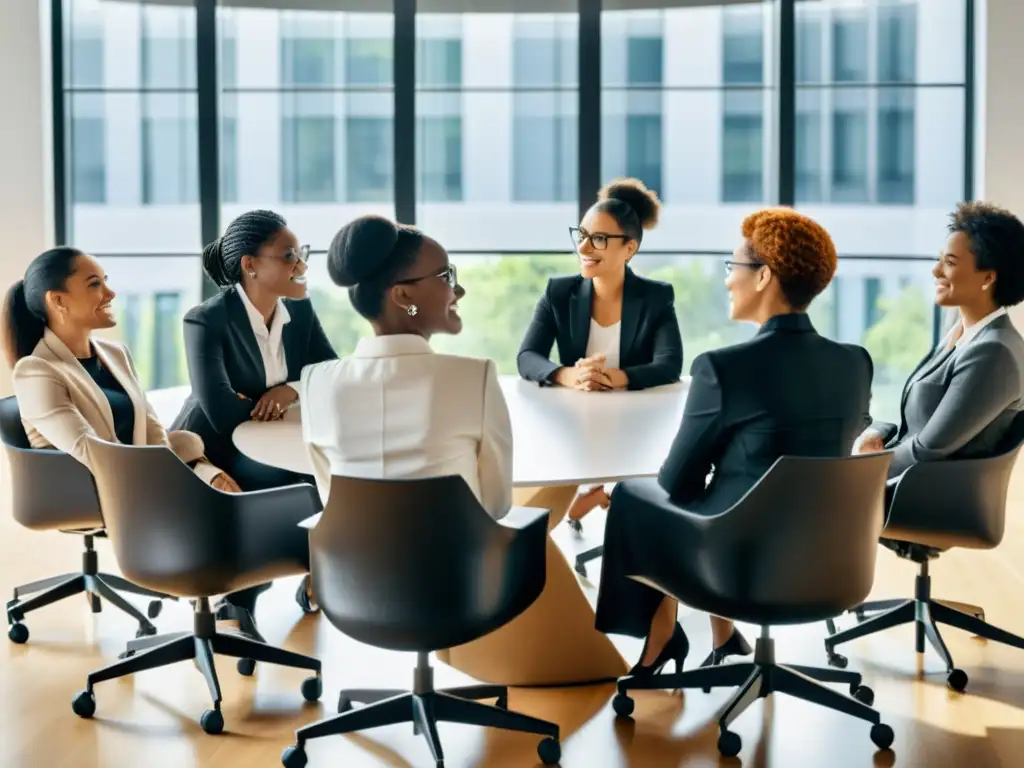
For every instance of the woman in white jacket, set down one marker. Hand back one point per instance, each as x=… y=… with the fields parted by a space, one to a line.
x=394 y=408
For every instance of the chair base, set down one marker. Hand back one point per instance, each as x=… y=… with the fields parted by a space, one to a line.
x=199 y=645
x=425 y=707
x=98 y=586
x=757 y=680
x=926 y=614
x=585 y=557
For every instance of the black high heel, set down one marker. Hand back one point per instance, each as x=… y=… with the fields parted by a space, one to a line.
x=302 y=597
x=736 y=645
x=676 y=649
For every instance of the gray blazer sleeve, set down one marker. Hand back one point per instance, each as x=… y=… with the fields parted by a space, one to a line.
x=986 y=381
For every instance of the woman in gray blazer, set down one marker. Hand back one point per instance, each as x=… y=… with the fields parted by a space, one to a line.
x=962 y=397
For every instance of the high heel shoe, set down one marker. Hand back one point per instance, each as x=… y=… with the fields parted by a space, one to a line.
x=736 y=645
x=676 y=649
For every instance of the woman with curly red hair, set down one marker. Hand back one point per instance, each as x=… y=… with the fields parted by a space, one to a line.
x=787 y=391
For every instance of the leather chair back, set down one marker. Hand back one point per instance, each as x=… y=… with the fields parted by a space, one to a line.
x=957 y=502
x=418 y=565
x=49 y=489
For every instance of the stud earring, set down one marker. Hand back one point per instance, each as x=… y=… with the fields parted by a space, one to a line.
x=984 y=287
x=252 y=275
x=412 y=310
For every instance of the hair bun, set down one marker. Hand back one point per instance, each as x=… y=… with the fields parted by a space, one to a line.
x=634 y=193
x=360 y=249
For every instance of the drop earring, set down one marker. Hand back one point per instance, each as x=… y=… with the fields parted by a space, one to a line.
x=412 y=310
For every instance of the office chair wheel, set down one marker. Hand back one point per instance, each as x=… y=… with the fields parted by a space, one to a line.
x=246 y=667
x=863 y=694
x=17 y=633
x=312 y=688
x=837 y=660
x=957 y=680
x=575 y=525
x=154 y=608
x=145 y=630
x=882 y=735
x=84 y=704
x=623 y=705
x=344 y=704
x=293 y=757
x=212 y=721
x=549 y=751
x=729 y=744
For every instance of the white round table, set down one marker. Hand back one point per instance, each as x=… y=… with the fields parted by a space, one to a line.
x=560 y=437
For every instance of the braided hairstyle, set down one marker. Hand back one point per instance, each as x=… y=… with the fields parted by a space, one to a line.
x=367 y=256
x=222 y=259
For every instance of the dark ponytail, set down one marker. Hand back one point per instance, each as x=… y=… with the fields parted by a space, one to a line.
x=24 y=315
x=222 y=259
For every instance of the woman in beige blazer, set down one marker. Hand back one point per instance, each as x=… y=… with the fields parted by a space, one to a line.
x=70 y=384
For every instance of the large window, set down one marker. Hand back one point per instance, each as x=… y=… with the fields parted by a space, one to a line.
x=488 y=99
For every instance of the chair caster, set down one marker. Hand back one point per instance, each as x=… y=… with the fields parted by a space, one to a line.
x=246 y=667
x=145 y=630
x=344 y=704
x=154 y=608
x=957 y=680
x=549 y=751
x=882 y=735
x=575 y=525
x=837 y=660
x=212 y=721
x=623 y=705
x=18 y=633
x=312 y=688
x=293 y=757
x=84 y=704
x=863 y=694
x=729 y=744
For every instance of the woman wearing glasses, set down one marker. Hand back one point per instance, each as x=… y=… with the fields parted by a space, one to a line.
x=613 y=328
x=247 y=343
x=787 y=391
x=444 y=414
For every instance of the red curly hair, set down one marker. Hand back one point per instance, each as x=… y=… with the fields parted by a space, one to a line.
x=797 y=249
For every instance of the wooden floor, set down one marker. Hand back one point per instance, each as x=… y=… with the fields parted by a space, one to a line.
x=152 y=720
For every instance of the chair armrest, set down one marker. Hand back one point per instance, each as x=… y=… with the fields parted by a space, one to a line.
x=521 y=518
x=286 y=506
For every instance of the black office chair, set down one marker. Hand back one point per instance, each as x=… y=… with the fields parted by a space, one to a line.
x=799 y=547
x=937 y=506
x=51 y=491
x=418 y=565
x=174 y=533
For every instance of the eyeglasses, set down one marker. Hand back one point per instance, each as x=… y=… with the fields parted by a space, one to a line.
x=449 y=274
x=748 y=264
x=292 y=256
x=599 y=240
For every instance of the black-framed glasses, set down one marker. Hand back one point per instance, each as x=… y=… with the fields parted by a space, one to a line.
x=293 y=256
x=599 y=240
x=449 y=274
x=748 y=264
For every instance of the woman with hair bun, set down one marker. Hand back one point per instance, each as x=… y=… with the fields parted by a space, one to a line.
x=246 y=344
x=394 y=408
x=614 y=329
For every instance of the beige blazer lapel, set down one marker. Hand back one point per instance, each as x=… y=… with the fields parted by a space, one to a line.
x=85 y=393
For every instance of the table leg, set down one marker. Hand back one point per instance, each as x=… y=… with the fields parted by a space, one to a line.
x=554 y=640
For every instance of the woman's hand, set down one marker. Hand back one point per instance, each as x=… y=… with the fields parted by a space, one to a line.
x=224 y=482
x=274 y=403
x=585 y=502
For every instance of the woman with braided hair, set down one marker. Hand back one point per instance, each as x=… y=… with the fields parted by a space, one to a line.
x=247 y=343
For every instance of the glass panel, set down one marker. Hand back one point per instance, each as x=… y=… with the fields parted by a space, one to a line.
x=496 y=129
x=153 y=294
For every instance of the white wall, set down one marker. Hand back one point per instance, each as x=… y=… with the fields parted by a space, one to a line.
x=25 y=215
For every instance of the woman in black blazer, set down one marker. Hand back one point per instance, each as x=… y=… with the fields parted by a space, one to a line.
x=245 y=344
x=614 y=329
x=787 y=391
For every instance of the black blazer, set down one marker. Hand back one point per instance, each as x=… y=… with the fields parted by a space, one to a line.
x=787 y=391
x=650 y=348
x=224 y=361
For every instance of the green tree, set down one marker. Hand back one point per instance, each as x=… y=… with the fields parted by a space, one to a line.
x=897 y=341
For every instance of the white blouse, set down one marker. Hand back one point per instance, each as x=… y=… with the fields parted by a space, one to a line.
x=604 y=340
x=269 y=340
